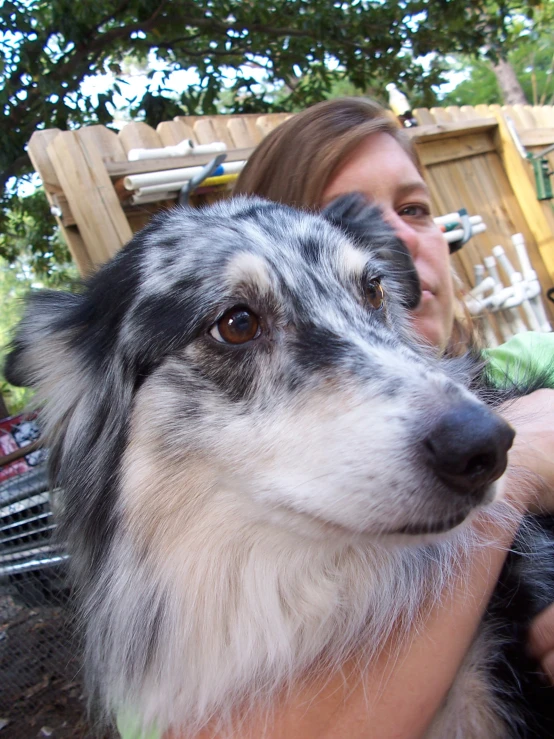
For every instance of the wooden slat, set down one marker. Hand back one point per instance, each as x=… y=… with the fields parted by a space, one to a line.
x=106 y=142
x=537 y=137
x=437 y=131
x=470 y=113
x=521 y=116
x=59 y=203
x=38 y=153
x=423 y=116
x=544 y=115
x=266 y=123
x=37 y=147
x=441 y=115
x=455 y=113
x=173 y=132
x=243 y=133
x=90 y=194
x=456 y=147
x=139 y=136
x=212 y=128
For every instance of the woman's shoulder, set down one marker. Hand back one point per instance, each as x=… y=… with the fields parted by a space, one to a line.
x=522 y=360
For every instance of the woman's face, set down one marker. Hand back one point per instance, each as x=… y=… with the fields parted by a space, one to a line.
x=381 y=170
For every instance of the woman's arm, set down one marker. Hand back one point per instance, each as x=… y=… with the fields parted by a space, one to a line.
x=398 y=698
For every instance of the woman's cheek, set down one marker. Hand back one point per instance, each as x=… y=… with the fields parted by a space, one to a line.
x=433 y=320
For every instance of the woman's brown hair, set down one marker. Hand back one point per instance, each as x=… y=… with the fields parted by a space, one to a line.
x=294 y=163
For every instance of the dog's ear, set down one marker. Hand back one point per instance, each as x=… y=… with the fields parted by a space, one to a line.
x=65 y=348
x=32 y=357
x=365 y=224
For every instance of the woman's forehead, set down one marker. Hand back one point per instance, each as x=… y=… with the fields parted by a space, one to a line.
x=378 y=167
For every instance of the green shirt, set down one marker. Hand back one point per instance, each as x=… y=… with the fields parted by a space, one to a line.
x=129 y=728
x=523 y=354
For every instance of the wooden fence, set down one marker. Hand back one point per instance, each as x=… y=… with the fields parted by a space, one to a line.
x=469 y=155
x=474 y=162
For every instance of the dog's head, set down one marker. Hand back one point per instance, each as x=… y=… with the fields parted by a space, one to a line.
x=256 y=362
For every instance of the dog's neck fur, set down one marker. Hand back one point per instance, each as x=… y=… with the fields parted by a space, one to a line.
x=237 y=627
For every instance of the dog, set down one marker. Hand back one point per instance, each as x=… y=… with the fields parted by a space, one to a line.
x=265 y=470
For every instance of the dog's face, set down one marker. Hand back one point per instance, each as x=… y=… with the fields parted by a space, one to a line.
x=257 y=363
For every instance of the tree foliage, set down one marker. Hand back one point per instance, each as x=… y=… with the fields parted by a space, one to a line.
x=532 y=58
x=304 y=48
x=528 y=46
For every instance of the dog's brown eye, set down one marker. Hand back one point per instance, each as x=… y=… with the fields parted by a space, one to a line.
x=374 y=294
x=237 y=326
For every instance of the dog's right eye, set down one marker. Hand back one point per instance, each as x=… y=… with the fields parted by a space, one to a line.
x=237 y=326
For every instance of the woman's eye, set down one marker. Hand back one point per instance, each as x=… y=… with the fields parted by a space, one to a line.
x=237 y=326
x=415 y=210
x=374 y=293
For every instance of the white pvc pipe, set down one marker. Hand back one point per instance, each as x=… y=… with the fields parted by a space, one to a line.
x=138 y=199
x=455 y=218
x=526 y=267
x=479 y=274
x=174 y=179
x=490 y=264
x=184 y=148
x=458 y=233
x=533 y=286
x=486 y=284
x=517 y=282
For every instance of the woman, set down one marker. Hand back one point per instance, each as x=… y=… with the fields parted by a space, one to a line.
x=349 y=145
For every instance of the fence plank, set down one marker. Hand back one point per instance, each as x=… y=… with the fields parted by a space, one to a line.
x=521 y=115
x=175 y=131
x=38 y=153
x=212 y=128
x=441 y=115
x=423 y=116
x=266 y=123
x=546 y=113
x=107 y=142
x=455 y=112
x=470 y=112
x=456 y=147
x=243 y=133
x=540 y=137
x=437 y=131
x=139 y=136
x=90 y=194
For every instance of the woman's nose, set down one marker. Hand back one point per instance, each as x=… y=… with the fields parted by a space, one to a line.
x=404 y=231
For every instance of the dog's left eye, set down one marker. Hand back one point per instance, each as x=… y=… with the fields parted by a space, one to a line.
x=237 y=326
x=374 y=293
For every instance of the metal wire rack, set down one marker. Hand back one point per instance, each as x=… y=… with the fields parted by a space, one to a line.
x=41 y=692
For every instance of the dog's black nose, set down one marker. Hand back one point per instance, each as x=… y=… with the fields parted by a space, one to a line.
x=468 y=448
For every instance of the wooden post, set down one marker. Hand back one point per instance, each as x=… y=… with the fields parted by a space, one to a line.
x=90 y=194
x=541 y=223
x=41 y=162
